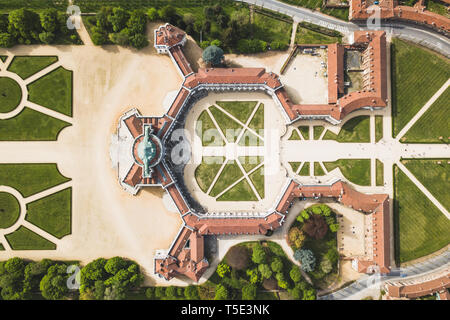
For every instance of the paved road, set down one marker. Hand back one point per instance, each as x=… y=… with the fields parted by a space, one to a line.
x=415 y=33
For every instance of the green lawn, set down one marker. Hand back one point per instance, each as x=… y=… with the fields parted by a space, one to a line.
x=419 y=227
x=241 y=110
x=378 y=128
x=304 y=171
x=31 y=125
x=354 y=170
x=207 y=131
x=25 y=239
x=3 y=58
x=37 y=5
x=228 y=126
x=340 y=13
x=435 y=177
x=228 y=176
x=307 y=36
x=2 y=248
x=240 y=192
x=416 y=76
x=270 y=29
x=380 y=173
x=250 y=162
x=304 y=130
x=10 y=94
x=434 y=123
x=53 y=213
x=257 y=122
x=31 y=178
x=317 y=132
x=294 y=135
x=437 y=7
x=9 y=210
x=354 y=130
x=207 y=170
x=53 y=91
x=318 y=171
x=257 y=178
x=250 y=139
x=26 y=66
x=295 y=165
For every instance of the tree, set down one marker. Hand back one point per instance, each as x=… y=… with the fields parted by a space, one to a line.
x=316 y=227
x=34 y=272
x=295 y=274
x=216 y=43
x=93 y=271
x=296 y=292
x=97 y=37
x=191 y=292
x=306 y=258
x=223 y=269
x=53 y=285
x=160 y=292
x=213 y=55
x=334 y=227
x=168 y=13
x=11 y=278
x=238 y=257
x=309 y=294
x=171 y=292
x=265 y=271
x=241 y=18
x=278 y=45
x=47 y=37
x=121 y=38
x=137 y=22
x=332 y=255
x=152 y=14
x=258 y=254
x=139 y=41
x=296 y=238
x=209 y=12
x=4 y=23
x=150 y=293
x=253 y=275
x=325 y=265
x=277 y=265
x=49 y=20
x=222 y=20
x=282 y=283
x=188 y=19
x=25 y=24
x=249 y=292
x=303 y=216
x=103 y=23
x=118 y=19
x=6 y=40
x=221 y=292
x=326 y=210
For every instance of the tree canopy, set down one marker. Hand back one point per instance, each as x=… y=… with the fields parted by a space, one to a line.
x=213 y=55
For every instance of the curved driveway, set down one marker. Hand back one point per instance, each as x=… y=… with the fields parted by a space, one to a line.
x=418 y=34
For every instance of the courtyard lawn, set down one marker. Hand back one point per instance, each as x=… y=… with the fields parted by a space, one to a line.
x=295 y=165
x=354 y=130
x=304 y=130
x=207 y=131
x=317 y=132
x=31 y=125
x=53 y=91
x=240 y=192
x=26 y=66
x=416 y=76
x=257 y=178
x=380 y=173
x=9 y=210
x=304 y=171
x=207 y=171
x=354 y=170
x=249 y=139
x=3 y=58
x=241 y=110
x=419 y=227
x=294 y=135
x=2 y=248
x=434 y=176
x=10 y=94
x=378 y=128
x=53 y=213
x=434 y=123
x=25 y=239
x=318 y=171
x=31 y=178
x=257 y=122
x=250 y=162
x=228 y=126
x=230 y=174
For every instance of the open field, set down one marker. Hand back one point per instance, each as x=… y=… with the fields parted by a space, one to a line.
x=416 y=75
x=354 y=130
x=53 y=213
x=26 y=66
x=355 y=170
x=10 y=94
x=419 y=227
x=433 y=124
x=434 y=176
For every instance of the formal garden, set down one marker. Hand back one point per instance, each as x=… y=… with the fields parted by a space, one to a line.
x=52 y=213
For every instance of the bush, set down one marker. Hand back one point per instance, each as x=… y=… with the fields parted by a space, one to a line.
x=223 y=269
x=46 y=37
x=98 y=38
x=137 y=22
x=150 y=293
x=221 y=292
x=309 y=294
x=296 y=292
x=258 y=254
x=238 y=257
x=296 y=238
x=277 y=45
x=253 y=275
x=277 y=265
x=6 y=40
x=282 y=283
x=205 y=44
x=265 y=271
x=191 y=292
x=332 y=255
x=171 y=292
x=216 y=43
x=251 y=46
x=326 y=266
x=118 y=19
x=295 y=274
x=306 y=258
x=49 y=20
x=121 y=38
x=249 y=292
x=334 y=227
x=138 y=41
x=160 y=292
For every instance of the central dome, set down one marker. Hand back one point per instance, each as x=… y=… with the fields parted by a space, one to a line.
x=146 y=150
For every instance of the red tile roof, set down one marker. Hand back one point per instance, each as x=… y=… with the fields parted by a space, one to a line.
x=169 y=35
x=401 y=290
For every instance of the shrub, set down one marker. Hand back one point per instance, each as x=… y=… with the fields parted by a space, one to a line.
x=325 y=265
x=205 y=44
x=160 y=292
x=295 y=274
x=303 y=216
x=332 y=255
x=265 y=271
x=277 y=45
x=49 y=20
x=277 y=265
x=296 y=292
x=253 y=275
x=334 y=227
x=258 y=254
x=251 y=46
x=306 y=258
x=6 y=40
x=191 y=292
x=282 y=283
x=238 y=257
x=249 y=292
x=98 y=38
x=46 y=37
x=309 y=294
x=223 y=269
x=118 y=19
x=138 y=41
x=221 y=292
x=137 y=22
x=296 y=238
x=121 y=38
x=171 y=292
x=150 y=293
x=216 y=43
